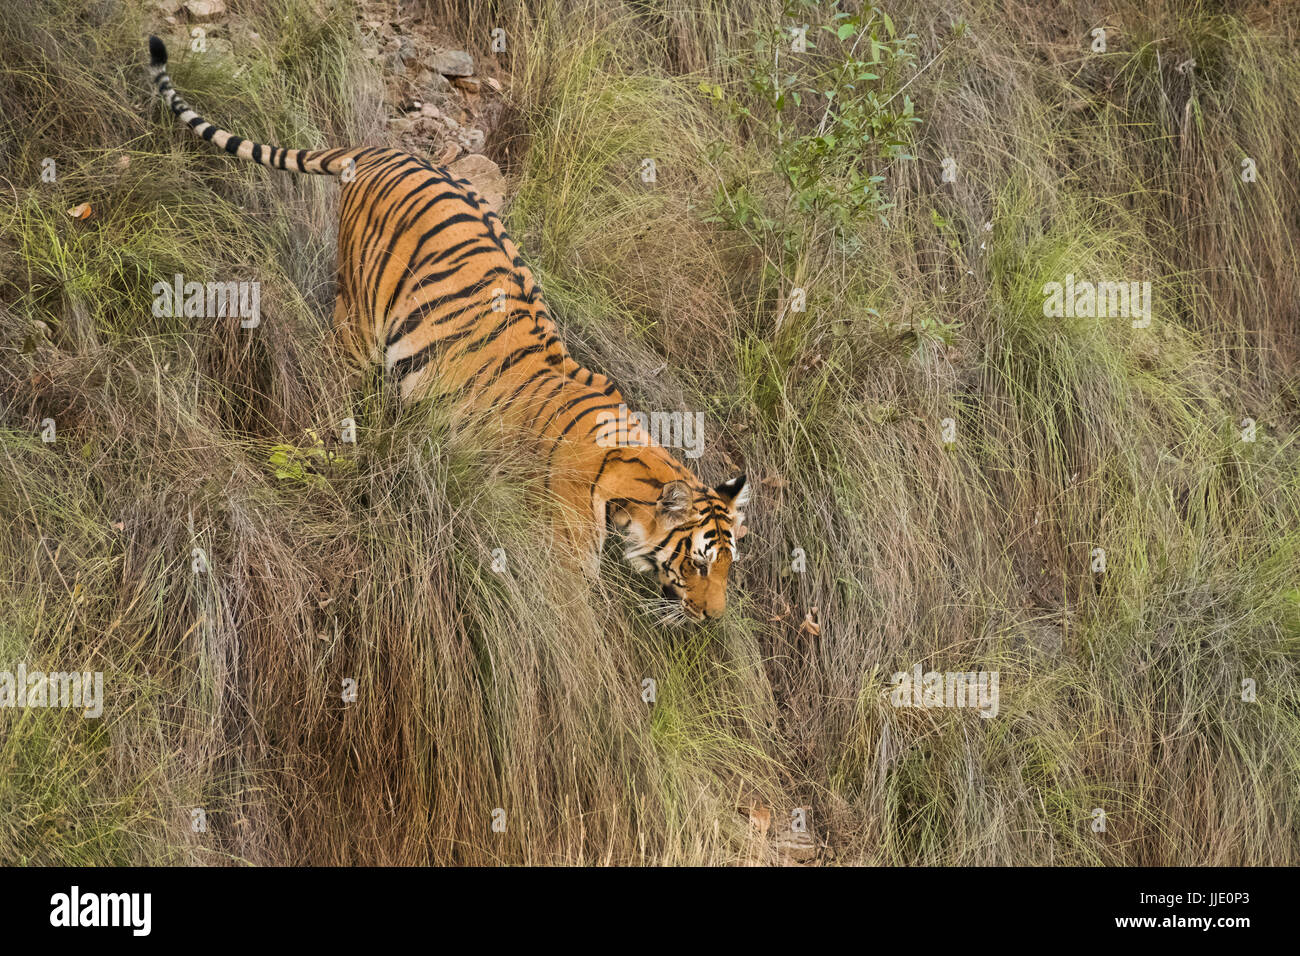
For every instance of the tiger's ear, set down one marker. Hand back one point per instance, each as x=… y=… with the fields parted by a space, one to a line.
x=734 y=492
x=674 y=501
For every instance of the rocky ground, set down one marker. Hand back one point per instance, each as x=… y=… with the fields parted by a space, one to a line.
x=441 y=102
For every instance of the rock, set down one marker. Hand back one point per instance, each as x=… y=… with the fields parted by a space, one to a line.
x=391 y=58
x=430 y=82
x=452 y=63
x=795 y=845
x=201 y=10
x=485 y=176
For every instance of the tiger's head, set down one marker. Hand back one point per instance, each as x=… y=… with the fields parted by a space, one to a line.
x=688 y=538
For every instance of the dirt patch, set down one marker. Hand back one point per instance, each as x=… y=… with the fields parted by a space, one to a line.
x=442 y=102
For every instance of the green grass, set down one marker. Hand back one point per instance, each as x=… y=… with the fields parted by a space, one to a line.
x=522 y=689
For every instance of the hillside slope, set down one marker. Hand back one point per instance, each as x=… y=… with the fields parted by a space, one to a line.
x=366 y=654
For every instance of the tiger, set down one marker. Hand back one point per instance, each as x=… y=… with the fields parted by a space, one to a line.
x=433 y=290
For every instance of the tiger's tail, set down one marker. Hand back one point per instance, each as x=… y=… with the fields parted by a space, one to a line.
x=329 y=162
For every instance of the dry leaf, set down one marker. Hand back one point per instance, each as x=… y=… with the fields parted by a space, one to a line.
x=82 y=212
x=811 y=625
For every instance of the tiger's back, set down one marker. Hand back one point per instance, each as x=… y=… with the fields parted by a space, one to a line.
x=432 y=287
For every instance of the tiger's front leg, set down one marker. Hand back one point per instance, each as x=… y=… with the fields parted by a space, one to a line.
x=580 y=526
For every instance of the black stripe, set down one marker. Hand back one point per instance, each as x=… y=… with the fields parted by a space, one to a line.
x=615 y=454
x=482 y=341
x=434 y=231
x=417 y=315
x=413 y=362
x=384 y=180
x=400 y=287
x=402 y=291
x=529 y=381
x=515 y=357
x=583 y=414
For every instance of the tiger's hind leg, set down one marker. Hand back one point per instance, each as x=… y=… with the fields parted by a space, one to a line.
x=364 y=398
x=352 y=363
